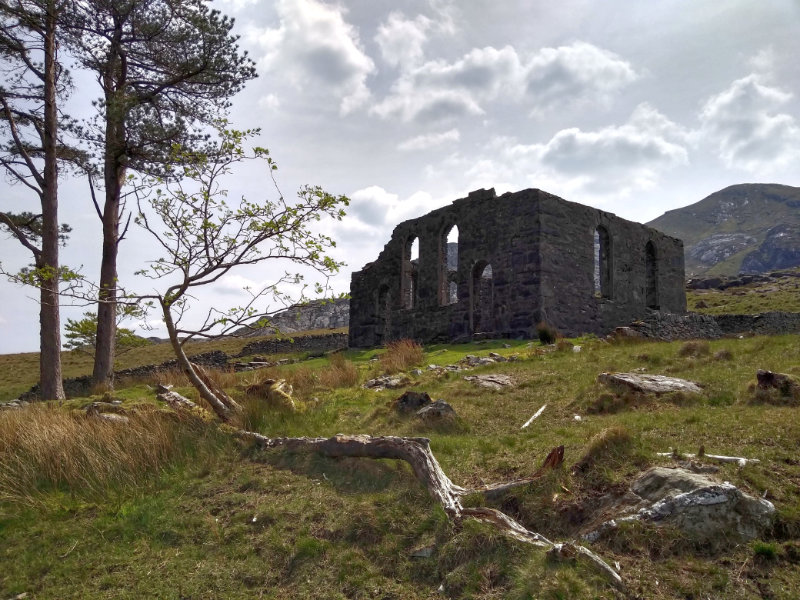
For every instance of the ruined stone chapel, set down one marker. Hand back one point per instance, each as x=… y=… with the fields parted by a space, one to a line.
x=511 y=262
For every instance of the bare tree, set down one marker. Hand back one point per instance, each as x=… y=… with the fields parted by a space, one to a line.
x=32 y=81
x=203 y=237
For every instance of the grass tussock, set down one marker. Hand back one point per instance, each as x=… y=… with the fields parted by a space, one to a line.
x=546 y=333
x=605 y=453
x=341 y=373
x=401 y=355
x=45 y=448
x=695 y=349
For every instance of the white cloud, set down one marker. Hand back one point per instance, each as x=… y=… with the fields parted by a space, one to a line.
x=764 y=60
x=611 y=161
x=270 y=102
x=750 y=133
x=574 y=74
x=235 y=5
x=401 y=40
x=549 y=78
x=371 y=205
x=315 y=48
x=430 y=140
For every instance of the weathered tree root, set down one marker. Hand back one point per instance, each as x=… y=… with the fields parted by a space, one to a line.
x=417 y=453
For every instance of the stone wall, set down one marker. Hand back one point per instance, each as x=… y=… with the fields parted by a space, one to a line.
x=76 y=387
x=769 y=323
x=308 y=343
x=541 y=256
x=668 y=326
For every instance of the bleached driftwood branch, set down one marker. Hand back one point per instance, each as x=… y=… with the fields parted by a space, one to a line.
x=417 y=453
x=718 y=457
x=535 y=416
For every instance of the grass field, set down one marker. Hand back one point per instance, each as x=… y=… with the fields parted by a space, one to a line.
x=171 y=509
x=780 y=294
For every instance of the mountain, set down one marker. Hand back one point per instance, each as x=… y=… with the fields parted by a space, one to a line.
x=748 y=228
x=315 y=314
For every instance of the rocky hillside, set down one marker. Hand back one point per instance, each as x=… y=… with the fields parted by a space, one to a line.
x=748 y=228
x=317 y=314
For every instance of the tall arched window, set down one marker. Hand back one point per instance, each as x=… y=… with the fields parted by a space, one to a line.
x=448 y=266
x=602 y=263
x=482 y=297
x=410 y=271
x=651 y=276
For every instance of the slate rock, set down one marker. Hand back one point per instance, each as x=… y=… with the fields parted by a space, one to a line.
x=411 y=401
x=653 y=384
x=493 y=382
x=701 y=506
x=436 y=411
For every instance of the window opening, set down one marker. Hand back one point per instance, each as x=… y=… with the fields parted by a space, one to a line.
x=410 y=271
x=448 y=266
x=602 y=263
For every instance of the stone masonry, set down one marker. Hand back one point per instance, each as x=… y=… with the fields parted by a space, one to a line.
x=522 y=258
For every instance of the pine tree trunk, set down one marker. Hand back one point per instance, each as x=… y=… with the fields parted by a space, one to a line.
x=114 y=177
x=49 y=320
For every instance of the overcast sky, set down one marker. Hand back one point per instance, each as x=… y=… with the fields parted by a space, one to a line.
x=633 y=107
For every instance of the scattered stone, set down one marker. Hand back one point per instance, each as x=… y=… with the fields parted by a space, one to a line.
x=506 y=345
x=422 y=552
x=577 y=418
x=497 y=357
x=110 y=417
x=184 y=406
x=411 y=401
x=432 y=367
x=385 y=382
x=163 y=389
x=11 y=405
x=576 y=349
x=437 y=411
x=625 y=332
x=476 y=361
x=416 y=372
x=654 y=384
x=700 y=505
x=785 y=384
x=492 y=382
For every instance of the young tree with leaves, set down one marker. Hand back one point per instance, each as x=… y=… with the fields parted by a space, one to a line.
x=31 y=82
x=204 y=237
x=166 y=69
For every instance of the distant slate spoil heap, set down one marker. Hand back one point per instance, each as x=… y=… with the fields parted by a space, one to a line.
x=521 y=258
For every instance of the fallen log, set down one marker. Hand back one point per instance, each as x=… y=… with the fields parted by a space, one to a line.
x=417 y=453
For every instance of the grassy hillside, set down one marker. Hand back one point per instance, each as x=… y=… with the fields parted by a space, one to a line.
x=778 y=294
x=746 y=209
x=19 y=372
x=170 y=509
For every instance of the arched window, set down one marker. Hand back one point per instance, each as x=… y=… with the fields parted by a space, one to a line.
x=448 y=266
x=602 y=263
x=651 y=276
x=482 y=297
x=410 y=271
